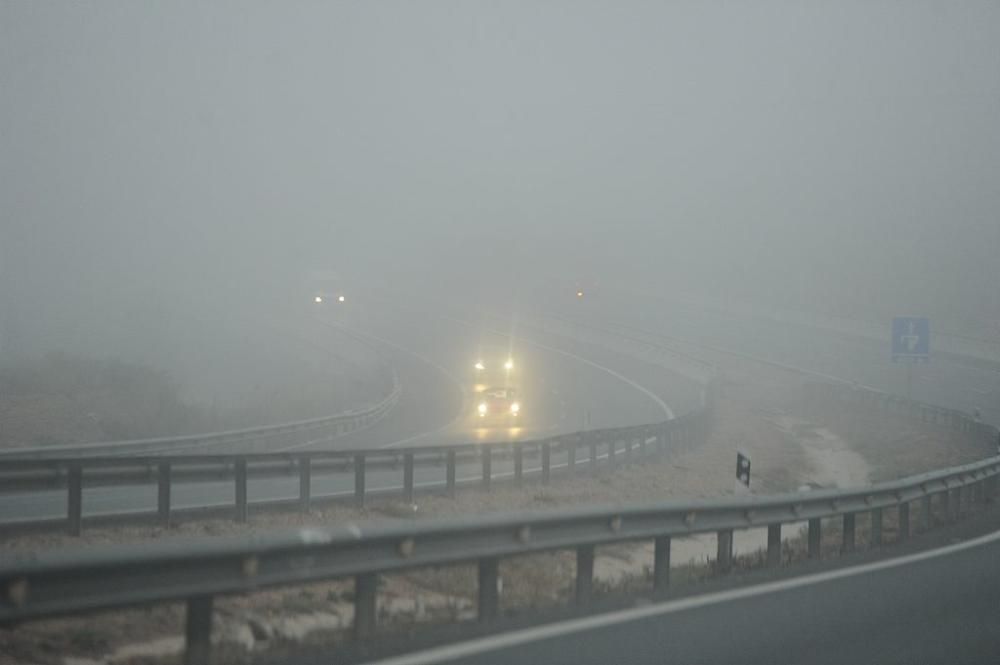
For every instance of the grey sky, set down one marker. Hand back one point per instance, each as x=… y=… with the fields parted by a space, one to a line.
x=799 y=149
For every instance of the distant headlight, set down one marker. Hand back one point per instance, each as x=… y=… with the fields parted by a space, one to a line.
x=509 y=364
x=480 y=366
x=318 y=299
x=515 y=407
x=482 y=409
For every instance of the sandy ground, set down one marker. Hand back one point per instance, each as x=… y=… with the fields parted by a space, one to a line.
x=758 y=412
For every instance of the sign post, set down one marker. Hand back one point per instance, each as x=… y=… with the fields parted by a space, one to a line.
x=911 y=343
x=743 y=468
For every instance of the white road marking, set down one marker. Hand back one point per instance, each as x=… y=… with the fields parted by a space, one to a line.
x=451 y=377
x=655 y=398
x=565 y=628
x=624 y=379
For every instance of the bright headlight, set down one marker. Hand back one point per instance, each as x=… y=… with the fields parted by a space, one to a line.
x=480 y=366
x=509 y=364
x=515 y=407
x=318 y=300
x=482 y=409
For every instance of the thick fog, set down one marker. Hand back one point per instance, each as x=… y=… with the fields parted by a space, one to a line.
x=168 y=168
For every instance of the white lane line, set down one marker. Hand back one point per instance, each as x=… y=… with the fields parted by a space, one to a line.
x=586 y=361
x=624 y=379
x=451 y=377
x=564 y=628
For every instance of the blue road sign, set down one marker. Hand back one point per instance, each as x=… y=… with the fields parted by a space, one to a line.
x=911 y=339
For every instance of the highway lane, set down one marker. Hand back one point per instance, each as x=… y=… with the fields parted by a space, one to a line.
x=564 y=391
x=937 y=606
x=948 y=380
x=566 y=385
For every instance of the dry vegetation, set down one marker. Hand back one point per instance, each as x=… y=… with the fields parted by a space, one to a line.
x=64 y=399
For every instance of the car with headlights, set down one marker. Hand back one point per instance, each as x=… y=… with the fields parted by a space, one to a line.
x=498 y=403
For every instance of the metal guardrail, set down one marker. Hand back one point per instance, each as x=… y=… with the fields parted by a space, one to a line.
x=289 y=435
x=569 y=452
x=61 y=583
x=822 y=394
x=73 y=473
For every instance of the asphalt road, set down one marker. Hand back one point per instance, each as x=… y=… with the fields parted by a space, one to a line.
x=947 y=380
x=565 y=387
x=941 y=606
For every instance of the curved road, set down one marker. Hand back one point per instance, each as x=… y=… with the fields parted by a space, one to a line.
x=947 y=380
x=567 y=386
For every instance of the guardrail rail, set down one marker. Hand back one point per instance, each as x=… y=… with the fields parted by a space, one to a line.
x=52 y=584
x=61 y=583
x=491 y=461
x=299 y=433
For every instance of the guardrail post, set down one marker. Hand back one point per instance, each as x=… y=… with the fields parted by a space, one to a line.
x=163 y=493
x=847 y=541
x=628 y=449
x=642 y=444
x=74 y=500
x=815 y=533
x=408 y=477
x=661 y=563
x=584 y=573
x=925 y=513
x=198 y=630
x=365 y=591
x=359 y=481
x=489 y=592
x=593 y=456
x=450 y=474
x=305 y=484
x=876 y=537
x=611 y=452
x=487 y=466
x=945 y=500
x=774 y=545
x=904 y=521
x=724 y=551
x=518 y=463
x=546 y=462
x=571 y=456
x=242 y=509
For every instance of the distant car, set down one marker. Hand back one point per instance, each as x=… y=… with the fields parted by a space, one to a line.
x=500 y=402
